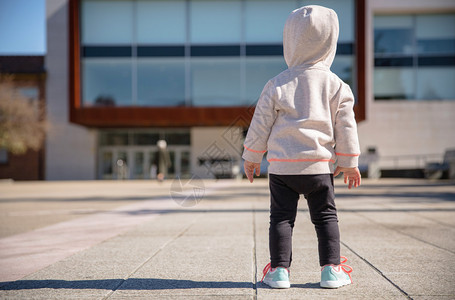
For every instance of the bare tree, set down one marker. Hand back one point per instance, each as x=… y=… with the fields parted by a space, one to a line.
x=22 y=123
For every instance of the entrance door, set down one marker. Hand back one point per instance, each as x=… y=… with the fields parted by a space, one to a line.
x=114 y=163
x=180 y=162
x=139 y=162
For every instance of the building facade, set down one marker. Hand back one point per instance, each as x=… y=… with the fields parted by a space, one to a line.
x=410 y=109
x=29 y=78
x=123 y=74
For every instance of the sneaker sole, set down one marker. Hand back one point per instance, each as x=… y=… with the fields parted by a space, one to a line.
x=278 y=284
x=333 y=284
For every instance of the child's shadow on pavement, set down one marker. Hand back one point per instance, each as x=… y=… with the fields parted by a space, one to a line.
x=309 y=285
x=135 y=284
x=120 y=284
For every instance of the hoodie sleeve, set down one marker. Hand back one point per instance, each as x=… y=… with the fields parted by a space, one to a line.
x=263 y=119
x=347 y=146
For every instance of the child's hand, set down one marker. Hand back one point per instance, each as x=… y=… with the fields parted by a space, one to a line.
x=249 y=169
x=351 y=174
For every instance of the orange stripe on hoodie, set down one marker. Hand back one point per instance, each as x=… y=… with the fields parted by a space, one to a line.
x=255 y=151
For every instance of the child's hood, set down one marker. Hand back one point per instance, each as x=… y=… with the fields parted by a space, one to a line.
x=310 y=36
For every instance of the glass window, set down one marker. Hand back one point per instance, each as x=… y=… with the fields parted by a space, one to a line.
x=258 y=71
x=435 y=26
x=122 y=169
x=215 y=22
x=145 y=138
x=138 y=168
x=167 y=53
x=343 y=66
x=215 y=81
x=177 y=138
x=161 y=81
x=3 y=156
x=393 y=83
x=31 y=92
x=436 y=83
x=153 y=157
x=113 y=138
x=161 y=22
x=393 y=34
x=185 y=168
x=107 y=22
x=106 y=81
x=414 y=57
x=435 y=34
x=171 y=168
x=264 y=20
x=107 y=167
x=345 y=10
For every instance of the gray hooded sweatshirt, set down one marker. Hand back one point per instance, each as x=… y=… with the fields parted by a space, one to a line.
x=304 y=118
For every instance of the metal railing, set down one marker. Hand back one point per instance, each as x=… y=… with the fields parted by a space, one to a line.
x=413 y=161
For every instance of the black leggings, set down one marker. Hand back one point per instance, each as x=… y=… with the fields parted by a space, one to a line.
x=285 y=191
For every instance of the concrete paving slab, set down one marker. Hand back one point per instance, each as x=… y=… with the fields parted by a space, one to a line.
x=411 y=264
x=205 y=256
x=26 y=206
x=423 y=229
x=21 y=217
x=444 y=217
x=94 y=273
x=28 y=252
x=396 y=235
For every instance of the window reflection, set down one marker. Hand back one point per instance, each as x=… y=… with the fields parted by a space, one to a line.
x=178 y=138
x=185 y=168
x=265 y=20
x=393 y=83
x=30 y=92
x=393 y=34
x=114 y=139
x=414 y=57
x=167 y=15
x=342 y=66
x=435 y=34
x=214 y=22
x=258 y=71
x=107 y=167
x=397 y=41
x=436 y=83
x=145 y=138
x=216 y=81
x=345 y=11
x=107 y=22
x=138 y=169
x=107 y=81
x=161 y=81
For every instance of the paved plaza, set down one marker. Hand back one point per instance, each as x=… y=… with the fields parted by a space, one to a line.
x=209 y=240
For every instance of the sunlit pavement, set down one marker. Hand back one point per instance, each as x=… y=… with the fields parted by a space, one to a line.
x=209 y=239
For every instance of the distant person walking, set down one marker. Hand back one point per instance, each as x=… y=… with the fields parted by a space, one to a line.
x=304 y=120
x=162 y=160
